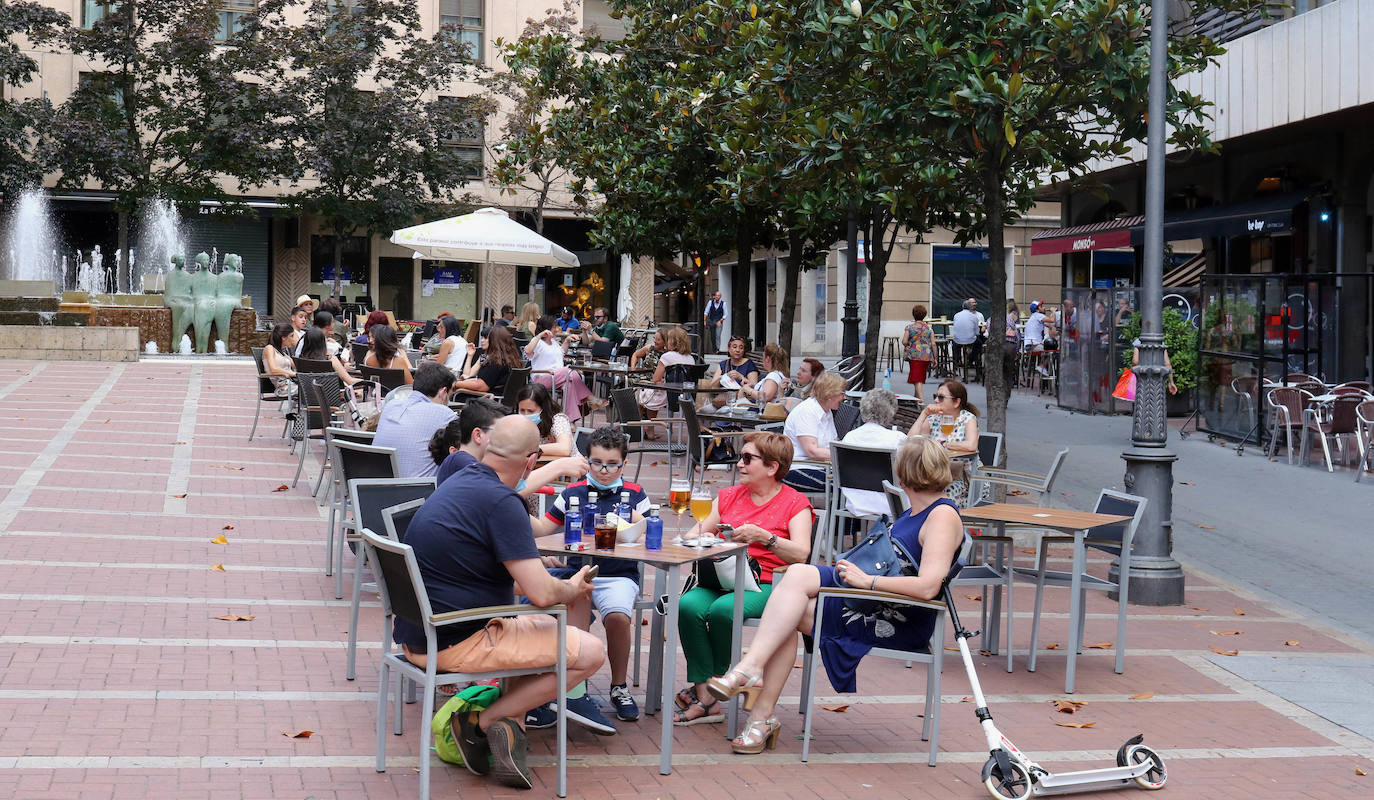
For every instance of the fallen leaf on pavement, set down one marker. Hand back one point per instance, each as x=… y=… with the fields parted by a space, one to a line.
x=1239 y=613
x=984 y=652
x=835 y=708
x=1030 y=550
x=1226 y=633
x=966 y=700
x=1098 y=646
x=1075 y=724
x=1016 y=492
x=796 y=666
x=281 y=488
x=1198 y=608
x=1291 y=643
x=220 y=540
x=974 y=596
x=225 y=466
x=1359 y=771
x=217 y=568
x=1143 y=696
x=952 y=649
x=227 y=528
x=106 y=422
x=1053 y=646
x=1221 y=652
x=1207 y=527
x=178 y=496
x=178 y=443
x=1067 y=706
x=236 y=618
x=301 y=735
x=1187 y=483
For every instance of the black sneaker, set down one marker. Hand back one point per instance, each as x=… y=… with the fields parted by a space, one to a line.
x=625 y=706
x=472 y=743
x=542 y=717
x=508 y=754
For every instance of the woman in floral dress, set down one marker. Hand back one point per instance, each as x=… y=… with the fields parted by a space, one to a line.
x=952 y=420
x=919 y=349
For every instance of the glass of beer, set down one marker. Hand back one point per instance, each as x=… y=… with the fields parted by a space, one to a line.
x=605 y=533
x=679 y=498
x=701 y=504
x=947 y=426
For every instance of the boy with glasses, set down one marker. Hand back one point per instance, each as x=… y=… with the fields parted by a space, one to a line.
x=614 y=590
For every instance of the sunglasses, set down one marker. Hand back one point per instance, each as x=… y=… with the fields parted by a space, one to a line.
x=943 y=397
x=749 y=458
x=602 y=466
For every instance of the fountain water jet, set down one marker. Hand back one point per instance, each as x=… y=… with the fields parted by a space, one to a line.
x=159 y=238
x=32 y=241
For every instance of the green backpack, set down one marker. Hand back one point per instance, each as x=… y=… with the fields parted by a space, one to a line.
x=473 y=698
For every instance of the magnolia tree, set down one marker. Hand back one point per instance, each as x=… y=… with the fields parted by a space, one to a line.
x=22 y=122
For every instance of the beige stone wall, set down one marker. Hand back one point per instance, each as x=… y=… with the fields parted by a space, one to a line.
x=68 y=344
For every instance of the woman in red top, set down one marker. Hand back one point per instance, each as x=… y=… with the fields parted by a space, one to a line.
x=776 y=522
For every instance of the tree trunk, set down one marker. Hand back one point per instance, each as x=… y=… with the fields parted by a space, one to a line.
x=338 y=264
x=740 y=280
x=787 y=303
x=997 y=388
x=876 y=261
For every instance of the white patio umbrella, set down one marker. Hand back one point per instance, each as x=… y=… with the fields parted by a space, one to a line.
x=486 y=236
x=625 y=306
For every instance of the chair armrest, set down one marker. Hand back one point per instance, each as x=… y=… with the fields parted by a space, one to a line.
x=807 y=462
x=882 y=597
x=720 y=434
x=1013 y=483
x=1009 y=473
x=491 y=612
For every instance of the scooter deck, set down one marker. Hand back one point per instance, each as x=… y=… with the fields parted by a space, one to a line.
x=1088 y=780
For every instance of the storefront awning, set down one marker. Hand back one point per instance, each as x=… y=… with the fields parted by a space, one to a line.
x=1271 y=215
x=1083 y=238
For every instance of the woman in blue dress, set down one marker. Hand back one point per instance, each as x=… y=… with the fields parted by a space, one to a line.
x=932 y=532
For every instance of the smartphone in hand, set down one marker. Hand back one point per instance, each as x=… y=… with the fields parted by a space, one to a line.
x=590 y=574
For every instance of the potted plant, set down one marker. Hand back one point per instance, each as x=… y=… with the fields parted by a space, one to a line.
x=1180 y=338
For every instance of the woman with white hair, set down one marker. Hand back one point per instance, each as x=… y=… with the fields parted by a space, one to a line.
x=876 y=411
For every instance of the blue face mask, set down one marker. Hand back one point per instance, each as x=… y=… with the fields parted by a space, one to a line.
x=532 y=418
x=603 y=487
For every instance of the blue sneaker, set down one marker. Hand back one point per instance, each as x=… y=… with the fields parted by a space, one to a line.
x=585 y=712
x=541 y=717
x=625 y=706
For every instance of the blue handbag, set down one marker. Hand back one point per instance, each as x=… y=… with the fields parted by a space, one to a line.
x=879 y=555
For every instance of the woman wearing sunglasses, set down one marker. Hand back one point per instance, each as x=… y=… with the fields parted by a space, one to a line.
x=952 y=420
x=776 y=522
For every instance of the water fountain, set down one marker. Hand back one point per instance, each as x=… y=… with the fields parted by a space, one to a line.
x=159 y=238
x=31 y=241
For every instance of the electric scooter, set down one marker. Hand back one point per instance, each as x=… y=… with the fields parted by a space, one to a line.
x=1009 y=774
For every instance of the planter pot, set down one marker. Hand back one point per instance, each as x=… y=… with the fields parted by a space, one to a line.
x=1181 y=404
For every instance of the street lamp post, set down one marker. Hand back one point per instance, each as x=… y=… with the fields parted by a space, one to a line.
x=1156 y=578
x=850 y=320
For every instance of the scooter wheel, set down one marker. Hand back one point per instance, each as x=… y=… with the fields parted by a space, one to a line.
x=1155 y=778
x=1015 y=786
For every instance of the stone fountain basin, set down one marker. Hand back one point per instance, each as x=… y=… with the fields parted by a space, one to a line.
x=60 y=318
x=28 y=304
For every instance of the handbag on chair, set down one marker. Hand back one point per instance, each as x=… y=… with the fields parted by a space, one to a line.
x=878 y=555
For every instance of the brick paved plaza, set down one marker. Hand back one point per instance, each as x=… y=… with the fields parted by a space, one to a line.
x=117 y=680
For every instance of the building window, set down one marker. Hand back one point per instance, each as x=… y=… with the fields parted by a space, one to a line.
x=102 y=83
x=93 y=11
x=463 y=127
x=464 y=19
x=232 y=16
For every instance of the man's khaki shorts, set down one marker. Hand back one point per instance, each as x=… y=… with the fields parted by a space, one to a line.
x=519 y=642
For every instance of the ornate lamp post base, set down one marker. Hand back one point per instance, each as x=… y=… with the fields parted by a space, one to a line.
x=1156 y=578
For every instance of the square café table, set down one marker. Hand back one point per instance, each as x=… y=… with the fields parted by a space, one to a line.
x=1063 y=520
x=668 y=564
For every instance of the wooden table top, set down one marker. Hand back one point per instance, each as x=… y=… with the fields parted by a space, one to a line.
x=1063 y=519
x=552 y=545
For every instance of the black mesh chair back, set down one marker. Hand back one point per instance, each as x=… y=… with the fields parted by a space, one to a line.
x=846 y=419
x=350 y=435
x=860 y=467
x=582 y=441
x=696 y=441
x=518 y=379
x=397 y=518
x=317 y=405
x=602 y=350
x=313 y=364
x=388 y=378
x=989 y=448
x=1121 y=505
x=625 y=407
x=265 y=384
x=430 y=327
x=359 y=352
x=359 y=460
x=372 y=496
x=401 y=588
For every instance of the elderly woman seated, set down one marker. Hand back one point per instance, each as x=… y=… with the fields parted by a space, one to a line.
x=931 y=532
x=876 y=411
x=811 y=427
x=776 y=522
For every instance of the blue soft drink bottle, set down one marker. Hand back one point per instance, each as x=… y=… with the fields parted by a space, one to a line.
x=572 y=524
x=653 y=530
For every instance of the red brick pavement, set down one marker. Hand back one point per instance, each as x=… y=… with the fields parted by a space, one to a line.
x=116 y=680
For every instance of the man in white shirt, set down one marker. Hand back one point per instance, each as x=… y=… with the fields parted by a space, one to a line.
x=408 y=423
x=876 y=411
x=1035 y=328
x=966 y=332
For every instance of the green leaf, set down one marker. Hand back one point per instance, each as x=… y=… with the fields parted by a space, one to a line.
x=1009 y=132
x=1014 y=85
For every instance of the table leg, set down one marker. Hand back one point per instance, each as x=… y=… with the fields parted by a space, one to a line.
x=737 y=638
x=1075 y=606
x=665 y=764
x=654 y=680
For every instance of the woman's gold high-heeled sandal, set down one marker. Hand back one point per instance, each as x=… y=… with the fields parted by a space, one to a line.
x=756 y=736
x=724 y=688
